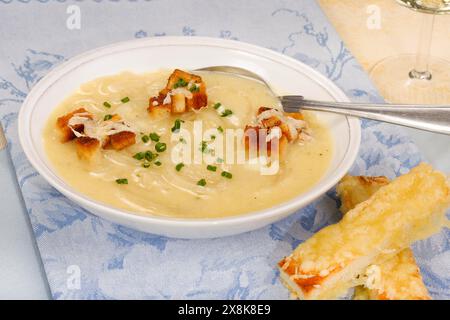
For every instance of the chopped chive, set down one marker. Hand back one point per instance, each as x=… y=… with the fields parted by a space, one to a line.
x=213 y=137
x=122 y=181
x=146 y=164
x=180 y=83
x=125 y=100
x=201 y=182
x=179 y=166
x=182 y=140
x=217 y=105
x=160 y=147
x=220 y=129
x=226 y=113
x=176 y=126
x=158 y=163
x=204 y=146
x=107 y=117
x=145 y=138
x=154 y=136
x=139 y=156
x=226 y=174
x=194 y=88
x=107 y=104
x=149 y=156
x=211 y=168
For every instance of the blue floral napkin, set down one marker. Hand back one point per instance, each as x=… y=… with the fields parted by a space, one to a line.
x=86 y=257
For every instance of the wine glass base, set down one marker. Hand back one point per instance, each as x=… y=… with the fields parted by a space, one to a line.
x=392 y=76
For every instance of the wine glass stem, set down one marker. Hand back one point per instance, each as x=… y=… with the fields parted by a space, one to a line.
x=421 y=71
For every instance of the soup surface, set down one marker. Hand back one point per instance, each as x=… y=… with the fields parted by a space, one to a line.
x=187 y=190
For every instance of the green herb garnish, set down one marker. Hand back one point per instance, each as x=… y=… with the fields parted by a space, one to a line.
x=145 y=138
x=180 y=83
x=213 y=137
x=220 y=129
x=211 y=168
x=150 y=156
x=107 y=104
x=204 y=146
x=226 y=174
x=179 y=166
x=201 y=182
x=226 y=113
x=125 y=100
x=160 y=147
x=217 y=105
x=139 y=156
x=194 y=88
x=122 y=181
x=154 y=136
x=107 y=117
x=176 y=126
x=146 y=164
x=158 y=163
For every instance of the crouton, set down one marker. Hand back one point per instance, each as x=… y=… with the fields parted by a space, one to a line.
x=256 y=137
x=86 y=147
x=180 y=78
x=198 y=100
x=278 y=121
x=262 y=109
x=183 y=92
x=178 y=103
x=271 y=122
x=120 y=140
x=160 y=111
x=62 y=123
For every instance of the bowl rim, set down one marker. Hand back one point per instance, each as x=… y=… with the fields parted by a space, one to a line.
x=307 y=197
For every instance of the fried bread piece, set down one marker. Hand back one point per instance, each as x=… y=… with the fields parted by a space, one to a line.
x=273 y=124
x=86 y=147
x=183 y=92
x=120 y=140
x=62 y=123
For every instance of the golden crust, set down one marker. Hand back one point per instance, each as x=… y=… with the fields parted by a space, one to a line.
x=62 y=123
x=178 y=74
x=400 y=275
x=120 y=140
x=254 y=141
x=353 y=190
x=86 y=147
x=410 y=208
x=179 y=103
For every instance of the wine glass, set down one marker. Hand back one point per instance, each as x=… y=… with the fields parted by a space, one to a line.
x=419 y=78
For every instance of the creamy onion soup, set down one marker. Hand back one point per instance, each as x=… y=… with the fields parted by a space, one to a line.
x=127 y=152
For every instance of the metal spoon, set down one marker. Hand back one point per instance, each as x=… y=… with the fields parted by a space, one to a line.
x=433 y=118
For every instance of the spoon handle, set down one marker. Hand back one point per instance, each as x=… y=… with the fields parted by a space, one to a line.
x=428 y=118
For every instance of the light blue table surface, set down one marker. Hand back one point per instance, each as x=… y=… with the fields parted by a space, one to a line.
x=21 y=274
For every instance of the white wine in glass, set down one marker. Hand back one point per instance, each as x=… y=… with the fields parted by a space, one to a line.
x=419 y=78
